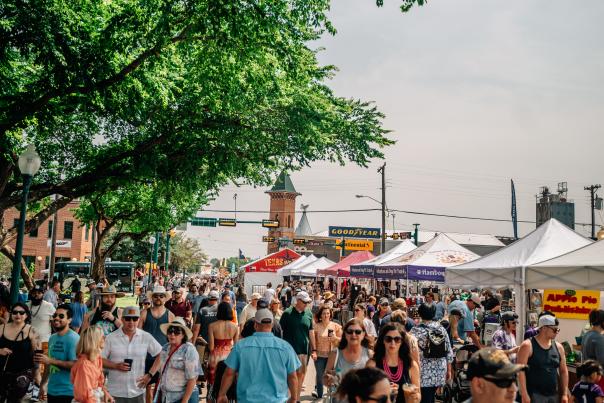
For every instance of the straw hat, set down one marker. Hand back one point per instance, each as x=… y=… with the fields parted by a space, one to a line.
x=177 y=322
x=158 y=289
x=111 y=290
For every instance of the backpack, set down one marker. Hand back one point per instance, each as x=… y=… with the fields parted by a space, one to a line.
x=435 y=347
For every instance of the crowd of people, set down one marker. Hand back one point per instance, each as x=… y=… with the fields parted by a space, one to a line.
x=199 y=340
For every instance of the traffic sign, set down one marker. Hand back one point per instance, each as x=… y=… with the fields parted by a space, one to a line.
x=355 y=245
x=270 y=223
x=299 y=241
x=268 y=239
x=227 y=222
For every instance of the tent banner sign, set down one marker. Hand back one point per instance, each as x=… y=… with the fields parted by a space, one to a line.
x=422 y=273
x=389 y=272
x=571 y=304
x=361 y=270
x=355 y=232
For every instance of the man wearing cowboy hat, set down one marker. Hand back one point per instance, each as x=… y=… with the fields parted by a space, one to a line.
x=180 y=306
x=124 y=355
x=106 y=316
x=151 y=320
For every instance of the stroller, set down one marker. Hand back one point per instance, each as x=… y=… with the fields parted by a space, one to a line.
x=459 y=388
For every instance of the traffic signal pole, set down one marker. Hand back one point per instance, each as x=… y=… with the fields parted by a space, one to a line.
x=382 y=170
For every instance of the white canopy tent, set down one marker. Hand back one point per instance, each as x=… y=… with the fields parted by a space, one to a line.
x=580 y=269
x=398 y=251
x=286 y=271
x=310 y=269
x=506 y=267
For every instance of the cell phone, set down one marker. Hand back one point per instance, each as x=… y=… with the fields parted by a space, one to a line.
x=330 y=332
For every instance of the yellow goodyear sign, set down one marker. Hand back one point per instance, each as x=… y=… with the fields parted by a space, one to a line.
x=355 y=245
x=571 y=304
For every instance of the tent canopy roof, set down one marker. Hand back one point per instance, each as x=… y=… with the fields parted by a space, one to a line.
x=301 y=261
x=549 y=240
x=589 y=255
x=342 y=268
x=273 y=261
x=399 y=250
x=440 y=251
x=311 y=268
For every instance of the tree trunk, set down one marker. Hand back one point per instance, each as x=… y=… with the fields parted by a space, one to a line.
x=10 y=253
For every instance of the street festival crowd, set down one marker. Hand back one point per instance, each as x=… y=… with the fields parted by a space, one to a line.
x=194 y=339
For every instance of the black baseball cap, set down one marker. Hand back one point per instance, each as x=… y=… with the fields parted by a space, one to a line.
x=492 y=363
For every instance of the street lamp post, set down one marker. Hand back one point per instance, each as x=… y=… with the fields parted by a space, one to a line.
x=29 y=163
x=384 y=209
x=151 y=242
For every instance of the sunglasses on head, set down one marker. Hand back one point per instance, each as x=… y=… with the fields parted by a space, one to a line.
x=174 y=330
x=59 y=315
x=354 y=331
x=18 y=312
x=501 y=383
x=131 y=318
x=390 y=339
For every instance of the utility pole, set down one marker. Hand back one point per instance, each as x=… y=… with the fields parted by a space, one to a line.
x=382 y=170
x=592 y=192
x=53 y=246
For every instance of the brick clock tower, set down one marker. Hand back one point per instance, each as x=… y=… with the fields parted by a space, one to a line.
x=283 y=209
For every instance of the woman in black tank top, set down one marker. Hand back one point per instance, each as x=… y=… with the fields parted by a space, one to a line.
x=18 y=340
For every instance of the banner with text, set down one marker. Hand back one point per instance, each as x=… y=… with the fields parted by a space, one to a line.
x=422 y=273
x=362 y=270
x=355 y=245
x=390 y=272
x=571 y=304
x=354 y=232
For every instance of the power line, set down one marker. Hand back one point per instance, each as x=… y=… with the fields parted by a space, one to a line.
x=392 y=210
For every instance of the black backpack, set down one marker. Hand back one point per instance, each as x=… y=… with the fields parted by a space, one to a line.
x=435 y=347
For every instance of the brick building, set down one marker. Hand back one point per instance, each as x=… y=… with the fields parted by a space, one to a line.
x=74 y=239
x=283 y=209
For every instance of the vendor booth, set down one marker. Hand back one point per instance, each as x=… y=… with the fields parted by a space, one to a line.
x=507 y=267
x=310 y=269
x=365 y=269
x=286 y=270
x=342 y=268
x=427 y=262
x=259 y=272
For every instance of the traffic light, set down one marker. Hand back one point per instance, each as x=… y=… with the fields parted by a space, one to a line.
x=203 y=221
x=270 y=223
x=227 y=222
x=299 y=241
x=268 y=239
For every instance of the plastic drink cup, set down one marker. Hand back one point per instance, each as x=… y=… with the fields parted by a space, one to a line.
x=408 y=390
x=129 y=362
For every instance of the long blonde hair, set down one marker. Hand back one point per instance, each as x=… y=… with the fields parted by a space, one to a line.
x=90 y=342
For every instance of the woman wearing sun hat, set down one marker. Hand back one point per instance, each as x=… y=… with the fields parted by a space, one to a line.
x=178 y=365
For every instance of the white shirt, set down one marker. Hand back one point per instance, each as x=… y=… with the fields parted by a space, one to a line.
x=119 y=347
x=248 y=312
x=51 y=296
x=41 y=315
x=269 y=294
x=369 y=327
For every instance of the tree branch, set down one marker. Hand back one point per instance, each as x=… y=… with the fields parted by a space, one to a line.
x=10 y=253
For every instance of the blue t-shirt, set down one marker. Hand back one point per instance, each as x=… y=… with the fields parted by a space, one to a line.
x=585 y=392
x=79 y=310
x=262 y=362
x=61 y=348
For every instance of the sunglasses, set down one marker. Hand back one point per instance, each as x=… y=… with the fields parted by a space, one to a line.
x=130 y=318
x=174 y=330
x=18 y=312
x=59 y=315
x=357 y=310
x=390 y=339
x=146 y=303
x=386 y=304
x=158 y=296
x=380 y=399
x=554 y=329
x=354 y=331
x=502 y=383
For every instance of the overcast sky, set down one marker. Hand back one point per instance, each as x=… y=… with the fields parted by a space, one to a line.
x=476 y=93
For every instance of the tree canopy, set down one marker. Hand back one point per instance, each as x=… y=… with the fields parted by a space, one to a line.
x=122 y=92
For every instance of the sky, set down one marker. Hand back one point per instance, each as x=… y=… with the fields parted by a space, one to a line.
x=475 y=93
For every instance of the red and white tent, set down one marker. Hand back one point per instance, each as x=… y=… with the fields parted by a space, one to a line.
x=264 y=270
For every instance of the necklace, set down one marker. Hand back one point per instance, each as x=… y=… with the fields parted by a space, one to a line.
x=399 y=370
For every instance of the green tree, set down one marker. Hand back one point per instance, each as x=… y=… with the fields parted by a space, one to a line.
x=134 y=211
x=186 y=253
x=120 y=92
